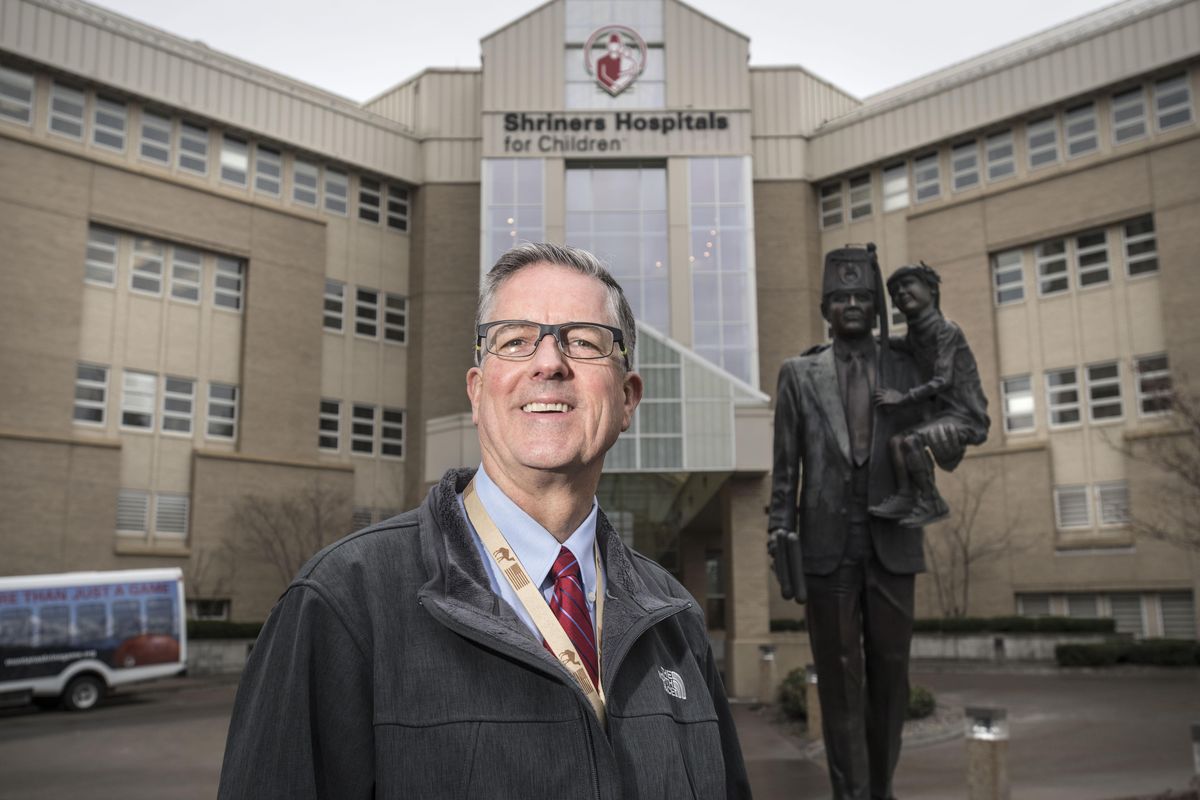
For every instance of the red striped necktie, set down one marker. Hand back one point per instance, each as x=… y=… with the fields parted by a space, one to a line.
x=569 y=605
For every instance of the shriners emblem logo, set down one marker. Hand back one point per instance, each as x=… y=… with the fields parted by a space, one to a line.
x=616 y=55
x=673 y=683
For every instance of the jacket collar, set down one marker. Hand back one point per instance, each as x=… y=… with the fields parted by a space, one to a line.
x=823 y=375
x=459 y=587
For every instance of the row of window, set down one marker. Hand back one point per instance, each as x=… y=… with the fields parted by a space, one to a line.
x=1080 y=260
x=373 y=429
x=164 y=140
x=1101 y=390
x=149 y=401
x=1167 y=614
x=51 y=624
x=136 y=508
x=1108 y=503
x=156 y=267
x=1049 y=140
x=368 y=315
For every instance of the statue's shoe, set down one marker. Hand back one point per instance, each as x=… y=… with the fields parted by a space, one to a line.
x=926 y=512
x=898 y=506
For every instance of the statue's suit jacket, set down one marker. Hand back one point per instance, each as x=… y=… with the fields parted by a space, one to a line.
x=812 y=451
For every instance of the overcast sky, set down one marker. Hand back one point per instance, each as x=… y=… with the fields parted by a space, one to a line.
x=358 y=48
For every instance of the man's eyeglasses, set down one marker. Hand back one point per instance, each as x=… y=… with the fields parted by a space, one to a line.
x=517 y=339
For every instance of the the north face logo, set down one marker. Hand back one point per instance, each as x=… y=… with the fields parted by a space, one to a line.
x=673 y=683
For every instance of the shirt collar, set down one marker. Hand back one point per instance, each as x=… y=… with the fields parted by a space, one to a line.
x=536 y=547
x=844 y=349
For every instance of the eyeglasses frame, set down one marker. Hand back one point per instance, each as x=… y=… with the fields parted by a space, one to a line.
x=552 y=330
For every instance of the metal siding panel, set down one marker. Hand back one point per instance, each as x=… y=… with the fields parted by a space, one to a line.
x=57 y=37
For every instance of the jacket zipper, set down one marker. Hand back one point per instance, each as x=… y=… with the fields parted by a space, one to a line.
x=636 y=633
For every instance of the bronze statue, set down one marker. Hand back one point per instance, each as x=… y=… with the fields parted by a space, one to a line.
x=854 y=570
x=950 y=379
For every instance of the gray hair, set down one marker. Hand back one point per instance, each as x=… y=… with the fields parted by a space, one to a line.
x=530 y=253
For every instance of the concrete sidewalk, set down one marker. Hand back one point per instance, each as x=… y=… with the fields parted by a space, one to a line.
x=1074 y=735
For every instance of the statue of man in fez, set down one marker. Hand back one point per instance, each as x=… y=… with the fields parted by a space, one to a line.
x=857 y=572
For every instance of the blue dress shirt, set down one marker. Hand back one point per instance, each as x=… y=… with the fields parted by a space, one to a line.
x=534 y=546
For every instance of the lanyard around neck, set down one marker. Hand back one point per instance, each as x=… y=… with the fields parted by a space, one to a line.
x=535 y=603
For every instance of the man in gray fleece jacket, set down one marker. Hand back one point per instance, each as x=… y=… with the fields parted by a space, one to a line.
x=499 y=641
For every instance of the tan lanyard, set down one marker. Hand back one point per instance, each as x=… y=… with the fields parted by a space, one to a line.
x=535 y=603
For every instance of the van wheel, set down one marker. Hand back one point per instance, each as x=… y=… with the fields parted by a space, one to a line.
x=83 y=693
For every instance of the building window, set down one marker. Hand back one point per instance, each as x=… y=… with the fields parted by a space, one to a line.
x=66 y=111
x=1082 y=606
x=366 y=313
x=1018 y=404
x=337 y=191
x=222 y=411
x=1008 y=277
x=305 y=183
x=179 y=397
x=227 y=285
x=1172 y=101
x=362 y=430
x=397 y=208
x=1033 y=605
x=512 y=191
x=927 y=177
x=395 y=318
x=208 y=609
x=860 y=196
x=1071 y=508
x=268 y=170
x=1153 y=377
x=391 y=435
x=1126 y=610
x=156 y=138
x=1141 y=251
x=171 y=514
x=1091 y=258
x=185 y=274
x=895 y=187
x=100 y=266
x=137 y=400
x=1051 y=259
x=368 y=200
x=831 y=204
x=133 y=511
x=16 y=96
x=1042 y=140
x=1001 y=158
x=108 y=123
x=329 y=426
x=193 y=148
x=91 y=394
x=1080 y=124
x=1104 y=392
x=335 y=297
x=235 y=160
x=1128 y=115
x=1112 y=504
x=361 y=517
x=1062 y=397
x=1177 y=612
x=964 y=165
x=147 y=273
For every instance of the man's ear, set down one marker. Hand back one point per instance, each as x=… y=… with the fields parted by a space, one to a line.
x=474 y=387
x=632 y=396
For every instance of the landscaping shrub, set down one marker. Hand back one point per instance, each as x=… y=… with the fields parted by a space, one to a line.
x=1153 y=652
x=793 y=695
x=921 y=702
x=788 y=625
x=221 y=629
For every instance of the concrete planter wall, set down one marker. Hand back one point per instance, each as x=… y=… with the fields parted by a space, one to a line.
x=217 y=656
x=996 y=647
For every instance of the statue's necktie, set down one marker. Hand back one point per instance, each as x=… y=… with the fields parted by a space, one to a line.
x=569 y=605
x=859 y=396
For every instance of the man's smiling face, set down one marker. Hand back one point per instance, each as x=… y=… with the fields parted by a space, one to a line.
x=549 y=412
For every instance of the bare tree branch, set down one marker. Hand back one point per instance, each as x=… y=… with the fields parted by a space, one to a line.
x=285 y=531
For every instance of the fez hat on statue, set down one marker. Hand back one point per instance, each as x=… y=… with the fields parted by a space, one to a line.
x=856 y=268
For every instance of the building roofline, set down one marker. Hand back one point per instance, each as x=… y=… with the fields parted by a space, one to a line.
x=806 y=71
x=1078 y=29
x=716 y=22
x=535 y=10
x=416 y=77
x=513 y=22
x=198 y=51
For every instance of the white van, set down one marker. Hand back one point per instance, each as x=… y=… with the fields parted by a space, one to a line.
x=70 y=638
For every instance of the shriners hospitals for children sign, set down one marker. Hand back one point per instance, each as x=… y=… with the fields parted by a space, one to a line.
x=616 y=55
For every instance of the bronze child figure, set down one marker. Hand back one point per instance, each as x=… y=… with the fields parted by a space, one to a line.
x=951 y=384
